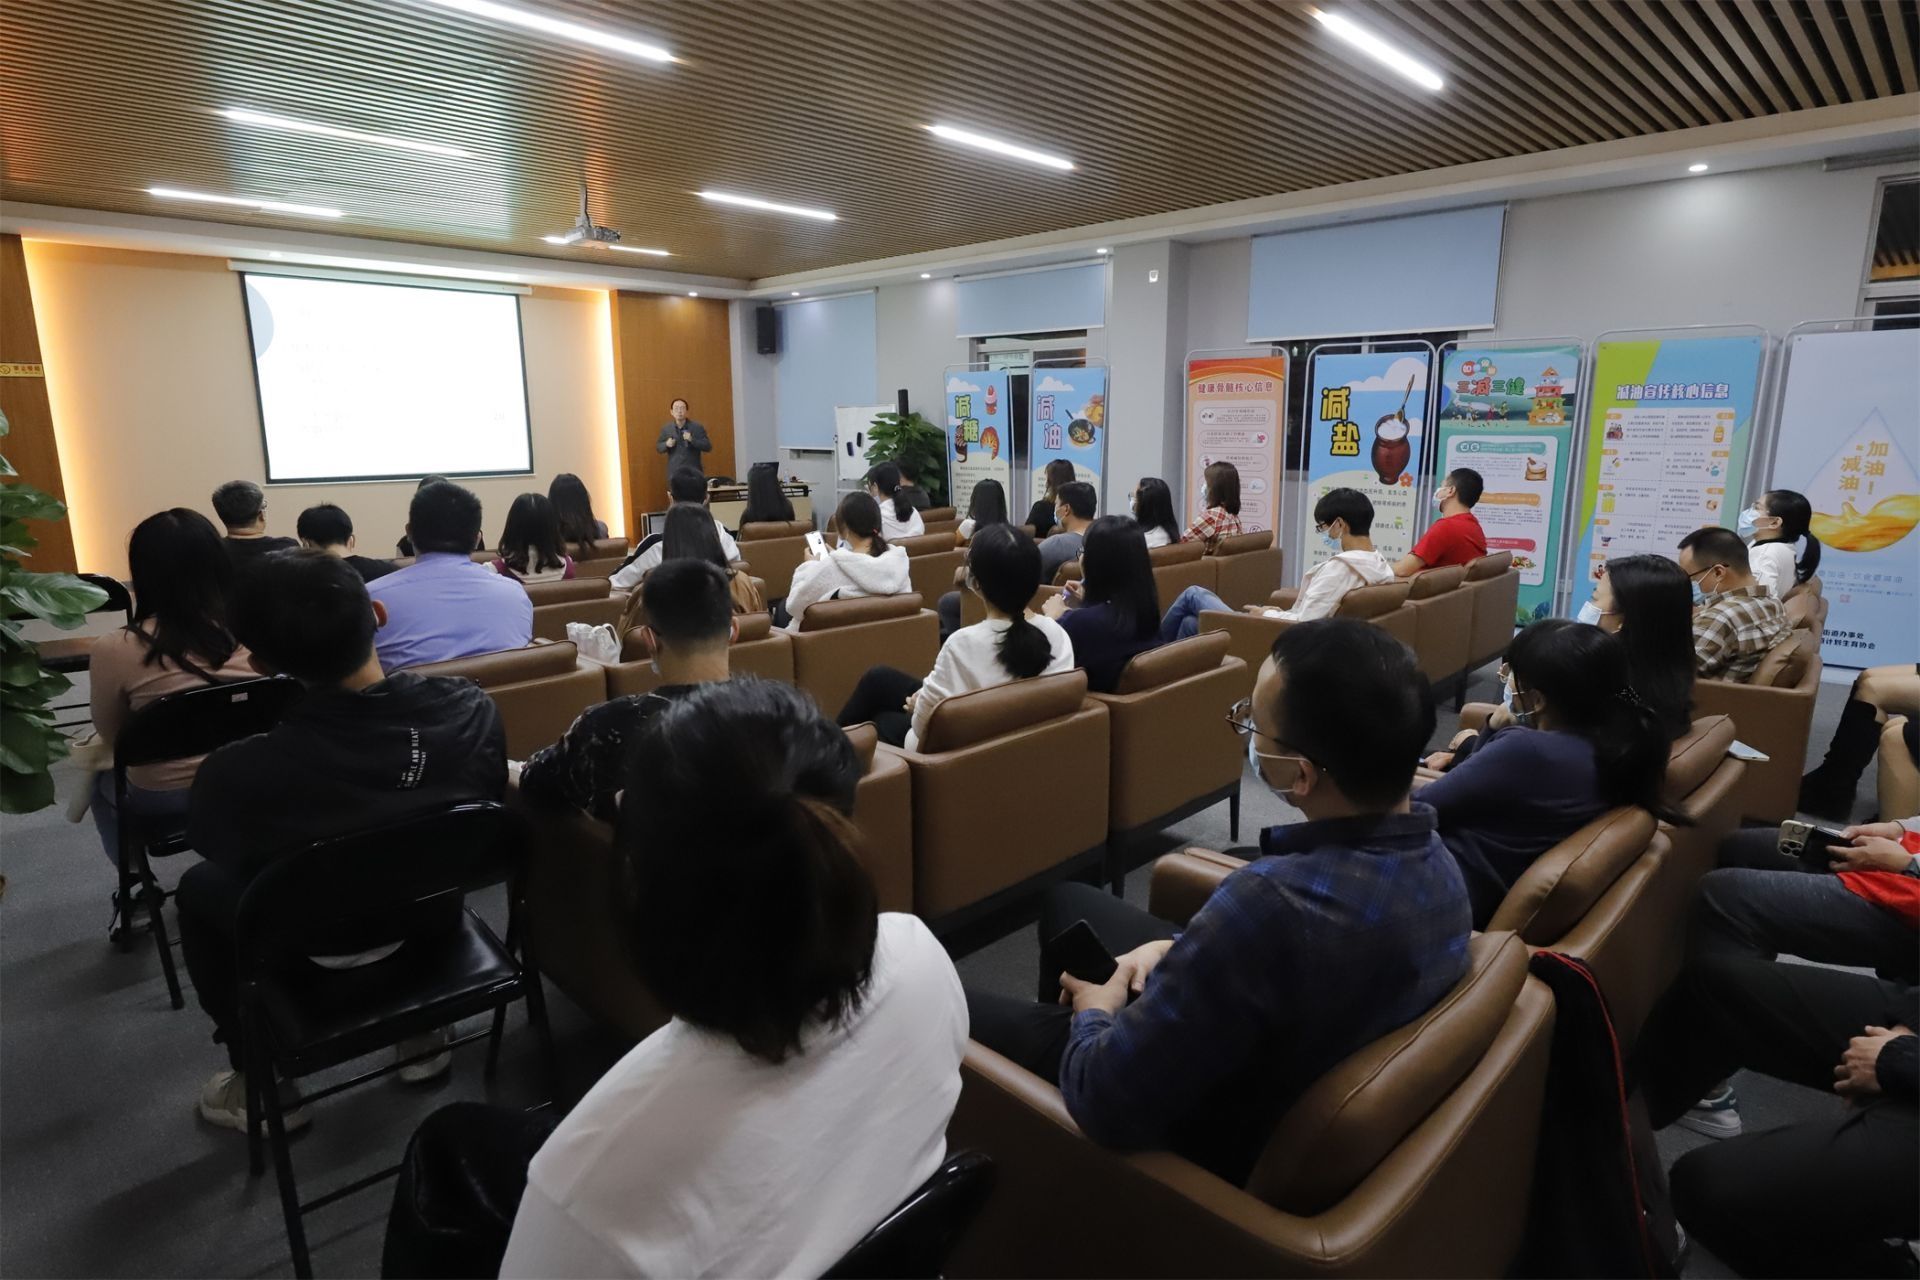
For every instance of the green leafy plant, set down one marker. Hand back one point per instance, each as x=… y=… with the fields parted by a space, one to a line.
x=910 y=438
x=29 y=743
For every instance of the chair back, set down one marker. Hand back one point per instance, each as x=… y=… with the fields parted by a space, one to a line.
x=968 y=719
x=913 y=1241
x=302 y=902
x=755 y=530
x=568 y=590
x=119 y=599
x=1554 y=894
x=1491 y=565
x=1373 y=601
x=193 y=722
x=1429 y=583
x=851 y=611
x=1176 y=553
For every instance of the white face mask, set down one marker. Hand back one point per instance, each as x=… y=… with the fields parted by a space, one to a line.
x=1508 y=700
x=1590 y=614
x=1133 y=507
x=1440 y=499
x=1254 y=757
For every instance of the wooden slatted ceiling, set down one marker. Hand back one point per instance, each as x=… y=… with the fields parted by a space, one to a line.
x=1164 y=106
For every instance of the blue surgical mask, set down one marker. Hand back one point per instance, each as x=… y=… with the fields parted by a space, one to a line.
x=1699 y=596
x=1590 y=614
x=1253 y=758
x=1333 y=543
x=1507 y=699
x=1748 y=520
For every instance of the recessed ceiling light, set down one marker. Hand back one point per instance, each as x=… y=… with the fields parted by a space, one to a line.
x=276 y=254
x=1697 y=168
x=926 y=275
x=967 y=138
x=1380 y=51
x=768 y=206
x=245 y=202
x=693 y=293
x=558 y=27
x=1103 y=251
x=266 y=121
x=651 y=253
x=796 y=293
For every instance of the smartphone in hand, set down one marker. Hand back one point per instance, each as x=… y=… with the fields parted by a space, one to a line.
x=1808 y=842
x=1078 y=950
x=816 y=545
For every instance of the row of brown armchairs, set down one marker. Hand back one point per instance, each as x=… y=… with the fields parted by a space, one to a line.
x=1240 y=570
x=597 y=559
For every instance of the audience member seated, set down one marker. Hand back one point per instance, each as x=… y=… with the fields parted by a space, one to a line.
x=686 y=488
x=404 y=548
x=1351 y=924
x=899 y=518
x=804 y=1085
x=1878 y=692
x=1012 y=644
x=445 y=605
x=1735 y=621
x=1579 y=741
x=689 y=534
x=360 y=750
x=1647 y=602
x=1456 y=537
x=765 y=502
x=1344 y=520
x=1152 y=509
x=1113 y=612
x=985 y=508
x=1058 y=472
x=330 y=529
x=862 y=565
x=532 y=548
x=178 y=639
x=1775 y=522
x=243 y=509
x=689 y=626
x=1221 y=516
x=573 y=506
x=1073 y=511
x=910 y=486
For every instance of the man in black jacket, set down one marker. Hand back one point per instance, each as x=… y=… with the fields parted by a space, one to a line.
x=360 y=750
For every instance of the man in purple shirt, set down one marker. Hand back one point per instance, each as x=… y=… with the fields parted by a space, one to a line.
x=445 y=605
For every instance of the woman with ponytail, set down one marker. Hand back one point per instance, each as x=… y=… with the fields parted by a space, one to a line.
x=808 y=1030
x=1581 y=741
x=1003 y=568
x=898 y=516
x=1777 y=520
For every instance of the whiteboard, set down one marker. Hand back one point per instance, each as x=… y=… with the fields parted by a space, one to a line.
x=850 y=423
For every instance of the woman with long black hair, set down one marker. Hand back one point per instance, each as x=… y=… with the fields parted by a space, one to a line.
x=1647 y=602
x=898 y=516
x=573 y=507
x=1059 y=472
x=1776 y=521
x=765 y=503
x=987 y=507
x=531 y=548
x=1153 y=512
x=1113 y=612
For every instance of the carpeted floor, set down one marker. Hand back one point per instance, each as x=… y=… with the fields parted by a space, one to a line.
x=105 y=1170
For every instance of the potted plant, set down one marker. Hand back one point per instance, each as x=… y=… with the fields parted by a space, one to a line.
x=29 y=742
x=910 y=439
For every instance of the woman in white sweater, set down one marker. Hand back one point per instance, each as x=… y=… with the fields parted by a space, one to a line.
x=899 y=518
x=862 y=565
x=1777 y=520
x=1003 y=567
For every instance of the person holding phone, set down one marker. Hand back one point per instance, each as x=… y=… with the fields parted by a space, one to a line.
x=862 y=565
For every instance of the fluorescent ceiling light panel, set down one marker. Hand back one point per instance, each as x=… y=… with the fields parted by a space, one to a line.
x=565 y=30
x=768 y=206
x=693 y=293
x=967 y=138
x=291 y=125
x=1696 y=168
x=243 y=202
x=651 y=253
x=1380 y=51
x=394 y=268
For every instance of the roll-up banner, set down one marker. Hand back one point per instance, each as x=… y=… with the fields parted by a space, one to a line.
x=979 y=433
x=1670 y=428
x=1237 y=412
x=1848 y=436
x=1366 y=430
x=1068 y=419
x=1509 y=412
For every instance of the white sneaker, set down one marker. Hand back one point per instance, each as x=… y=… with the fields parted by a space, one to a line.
x=1714 y=1116
x=432 y=1068
x=224 y=1102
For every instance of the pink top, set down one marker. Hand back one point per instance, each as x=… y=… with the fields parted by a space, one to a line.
x=123 y=681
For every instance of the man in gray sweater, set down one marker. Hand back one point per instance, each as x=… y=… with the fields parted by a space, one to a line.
x=683 y=441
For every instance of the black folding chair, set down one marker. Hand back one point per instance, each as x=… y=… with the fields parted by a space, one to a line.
x=179 y=726
x=913 y=1241
x=391 y=882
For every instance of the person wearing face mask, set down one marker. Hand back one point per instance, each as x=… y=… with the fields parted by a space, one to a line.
x=1735 y=620
x=1776 y=520
x=1456 y=537
x=1348 y=925
x=1581 y=742
x=1647 y=601
x=1073 y=509
x=862 y=565
x=1344 y=520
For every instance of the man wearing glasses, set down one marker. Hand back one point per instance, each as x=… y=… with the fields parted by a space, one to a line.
x=1735 y=619
x=1348 y=925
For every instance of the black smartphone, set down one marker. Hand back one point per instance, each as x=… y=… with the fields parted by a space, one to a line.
x=1078 y=950
x=1809 y=842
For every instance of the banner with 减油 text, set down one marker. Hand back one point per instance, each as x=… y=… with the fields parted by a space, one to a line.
x=979 y=433
x=1366 y=422
x=1067 y=419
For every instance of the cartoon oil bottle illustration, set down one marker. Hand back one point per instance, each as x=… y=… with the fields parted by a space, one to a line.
x=1391 y=448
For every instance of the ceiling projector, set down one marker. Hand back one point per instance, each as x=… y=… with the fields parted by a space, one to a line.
x=584 y=230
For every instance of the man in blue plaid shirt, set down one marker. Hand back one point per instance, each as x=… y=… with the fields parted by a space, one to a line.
x=1349 y=925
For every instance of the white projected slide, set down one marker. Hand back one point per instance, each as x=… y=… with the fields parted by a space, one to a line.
x=362 y=381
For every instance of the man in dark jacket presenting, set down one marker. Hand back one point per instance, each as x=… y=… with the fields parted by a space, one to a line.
x=362 y=749
x=683 y=441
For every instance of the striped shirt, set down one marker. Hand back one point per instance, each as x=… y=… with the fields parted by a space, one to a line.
x=1732 y=631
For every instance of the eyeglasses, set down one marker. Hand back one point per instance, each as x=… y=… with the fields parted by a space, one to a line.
x=1240 y=716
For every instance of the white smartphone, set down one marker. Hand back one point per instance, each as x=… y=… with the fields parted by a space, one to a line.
x=816 y=544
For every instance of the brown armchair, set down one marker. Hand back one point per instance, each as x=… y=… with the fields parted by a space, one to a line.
x=760 y=649
x=839 y=640
x=776 y=548
x=933 y=561
x=599 y=558
x=1442 y=621
x=539 y=689
x=1246 y=568
x=1773 y=712
x=1173 y=752
x=589 y=600
x=941 y=519
x=1250 y=636
x=1495 y=586
x=1180 y=565
x=1009 y=795
x=1412 y=1157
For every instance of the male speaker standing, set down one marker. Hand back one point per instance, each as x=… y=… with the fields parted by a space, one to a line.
x=683 y=440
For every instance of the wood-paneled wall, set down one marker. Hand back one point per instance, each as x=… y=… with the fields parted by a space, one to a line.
x=29 y=444
x=664 y=346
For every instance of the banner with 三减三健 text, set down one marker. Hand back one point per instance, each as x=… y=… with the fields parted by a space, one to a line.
x=979 y=434
x=1366 y=418
x=1236 y=412
x=1067 y=419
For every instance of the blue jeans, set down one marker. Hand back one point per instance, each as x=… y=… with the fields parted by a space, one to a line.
x=1183 y=619
x=140 y=801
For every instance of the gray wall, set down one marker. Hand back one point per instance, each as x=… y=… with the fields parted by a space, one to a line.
x=916 y=344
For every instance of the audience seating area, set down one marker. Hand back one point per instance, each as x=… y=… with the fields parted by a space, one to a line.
x=1774 y=713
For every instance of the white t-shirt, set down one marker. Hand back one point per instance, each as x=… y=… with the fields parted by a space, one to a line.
x=1158 y=537
x=892 y=527
x=1327 y=585
x=1773 y=566
x=970 y=660
x=628 y=576
x=691 y=1158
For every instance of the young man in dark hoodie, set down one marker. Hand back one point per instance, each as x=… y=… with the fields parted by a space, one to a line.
x=362 y=749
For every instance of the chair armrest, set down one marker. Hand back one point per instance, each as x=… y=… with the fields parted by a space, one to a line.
x=1475 y=715
x=1283 y=598
x=1182 y=882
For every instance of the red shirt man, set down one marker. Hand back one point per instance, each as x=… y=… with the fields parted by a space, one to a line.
x=1456 y=537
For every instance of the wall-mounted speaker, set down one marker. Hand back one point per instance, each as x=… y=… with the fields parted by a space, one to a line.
x=766 y=321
